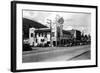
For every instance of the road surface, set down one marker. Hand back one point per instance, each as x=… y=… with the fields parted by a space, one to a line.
x=57 y=54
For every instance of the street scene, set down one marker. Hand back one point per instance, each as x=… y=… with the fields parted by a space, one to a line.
x=56 y=36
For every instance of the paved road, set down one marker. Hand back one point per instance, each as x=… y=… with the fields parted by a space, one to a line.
x=57 y=54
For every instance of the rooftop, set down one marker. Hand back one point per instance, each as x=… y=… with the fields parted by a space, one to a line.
x=31 y=23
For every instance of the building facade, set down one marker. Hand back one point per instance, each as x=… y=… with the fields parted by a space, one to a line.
x=45 y=37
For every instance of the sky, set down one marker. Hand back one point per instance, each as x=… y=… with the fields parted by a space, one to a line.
x=72 y=20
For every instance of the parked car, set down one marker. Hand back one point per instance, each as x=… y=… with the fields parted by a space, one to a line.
x=26 y=47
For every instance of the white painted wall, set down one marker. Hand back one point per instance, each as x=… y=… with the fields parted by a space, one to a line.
x=39 y=36
x=31 y=38
x=5 y=37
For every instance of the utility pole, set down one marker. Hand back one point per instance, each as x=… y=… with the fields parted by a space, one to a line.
x=50 y=22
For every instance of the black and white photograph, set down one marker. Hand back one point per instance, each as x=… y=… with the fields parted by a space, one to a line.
x=47 y=36
x=56 y=36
